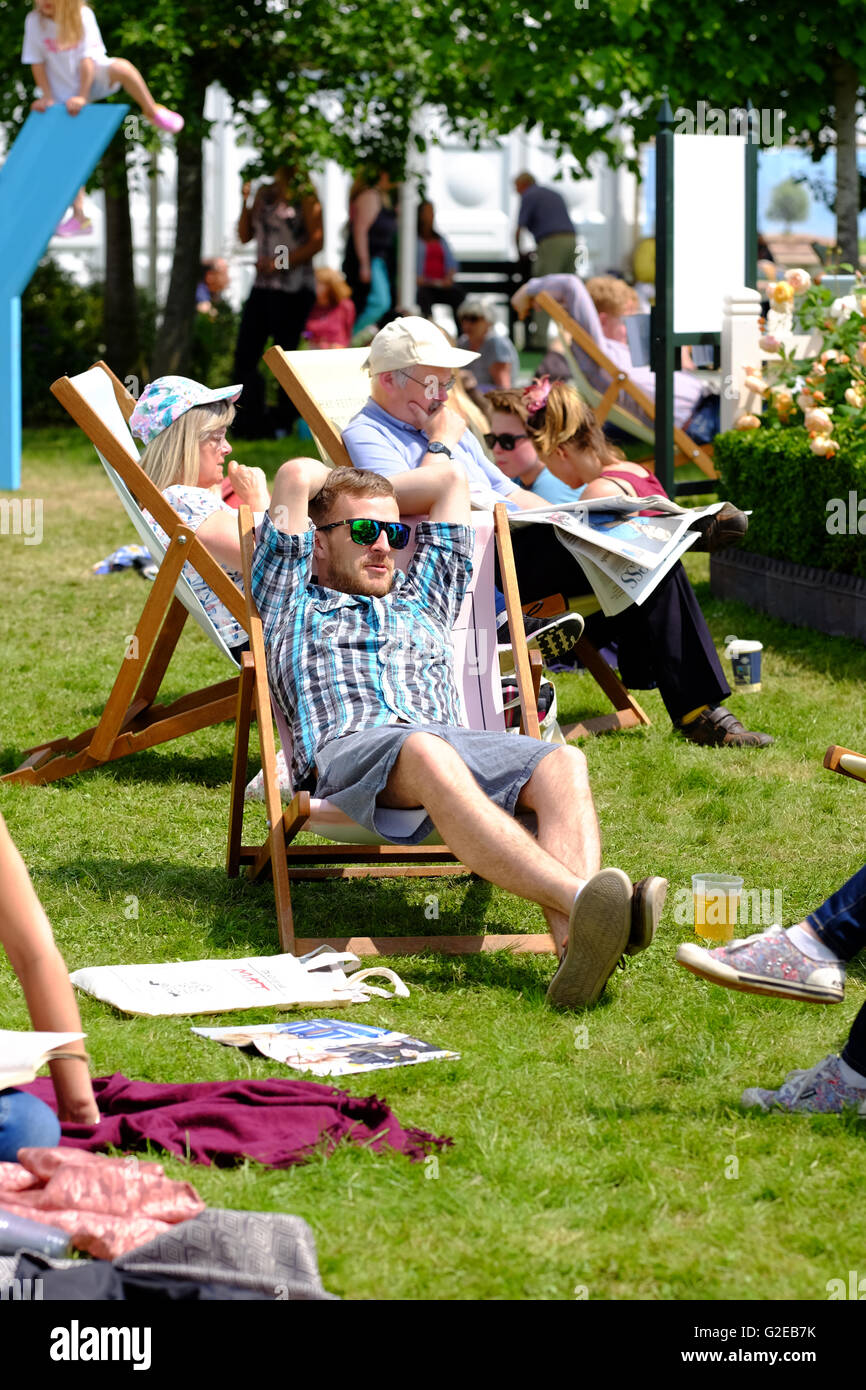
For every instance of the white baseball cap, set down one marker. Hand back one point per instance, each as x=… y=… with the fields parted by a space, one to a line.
x=411 y=342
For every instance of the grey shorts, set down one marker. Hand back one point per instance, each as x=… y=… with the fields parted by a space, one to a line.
x=353 y=771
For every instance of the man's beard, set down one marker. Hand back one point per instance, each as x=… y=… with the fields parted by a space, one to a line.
x=360 y=581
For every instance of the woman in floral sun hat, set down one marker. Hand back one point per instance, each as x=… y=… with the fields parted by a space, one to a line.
x=183 y=425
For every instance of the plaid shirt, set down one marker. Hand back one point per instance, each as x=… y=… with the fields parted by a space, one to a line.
x=339 y=663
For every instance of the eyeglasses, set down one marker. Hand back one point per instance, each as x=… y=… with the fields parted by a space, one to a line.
x=441 y=386
x=216 y=437
x=505 y=441
x=365 y=531
x=472 y=318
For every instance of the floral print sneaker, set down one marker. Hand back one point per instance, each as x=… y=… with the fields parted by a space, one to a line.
x=767 y=963
x=819 y=1091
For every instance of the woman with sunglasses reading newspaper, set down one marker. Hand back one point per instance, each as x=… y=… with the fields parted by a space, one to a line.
x=547 y=438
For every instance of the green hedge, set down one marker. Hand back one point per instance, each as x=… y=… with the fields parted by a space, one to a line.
x=61 y=334
x=773 y=472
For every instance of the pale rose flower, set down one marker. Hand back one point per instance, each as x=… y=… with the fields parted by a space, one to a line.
x=783 y=401
x=854 y=396
x=820 y=444
x=781 y=294
x=831 y=356
x=819 y=421
x=747 y=422
x=817 y=373
x=842 y=309
x=769 y=343
x=799 y=280
x=754 y=382
x=805 y=400
x=862 y=303
x=861 y=353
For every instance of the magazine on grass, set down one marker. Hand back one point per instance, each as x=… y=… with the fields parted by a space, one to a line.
x=328 y=1047
x=22 y=1054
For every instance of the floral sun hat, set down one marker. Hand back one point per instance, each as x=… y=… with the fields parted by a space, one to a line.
x=169 y=397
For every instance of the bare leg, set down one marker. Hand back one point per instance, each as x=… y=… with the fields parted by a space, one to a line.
x=78 y=206
x=429 y=773
x=558 y=792
x=132 y=82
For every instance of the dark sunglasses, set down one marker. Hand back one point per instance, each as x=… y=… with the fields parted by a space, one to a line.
x=365 y=531
x=505 y=441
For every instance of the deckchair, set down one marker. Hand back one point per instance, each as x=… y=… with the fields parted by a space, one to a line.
x=605 y=403
x=846 y=762
x=352 y=851
x=327 y=389
x=131 y=719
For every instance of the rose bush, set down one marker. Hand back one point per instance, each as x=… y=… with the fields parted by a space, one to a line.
x=817 y=395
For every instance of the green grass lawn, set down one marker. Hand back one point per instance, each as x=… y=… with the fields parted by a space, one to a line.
x=603 y=1152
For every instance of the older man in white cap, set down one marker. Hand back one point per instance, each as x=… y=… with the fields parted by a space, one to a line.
x=407 y=422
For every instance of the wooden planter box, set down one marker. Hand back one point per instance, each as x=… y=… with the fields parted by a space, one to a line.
x=798 y=594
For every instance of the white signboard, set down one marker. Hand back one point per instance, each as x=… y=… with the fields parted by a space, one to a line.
x=709 y=227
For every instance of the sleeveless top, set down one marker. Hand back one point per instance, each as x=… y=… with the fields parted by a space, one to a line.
x=644 y=484
x=278 y=224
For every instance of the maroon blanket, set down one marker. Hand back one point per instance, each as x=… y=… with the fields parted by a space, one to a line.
x=274 y=1122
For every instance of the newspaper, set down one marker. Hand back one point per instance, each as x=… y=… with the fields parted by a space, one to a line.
x=329 y=1047
x=624 y=555
x=22 y=1054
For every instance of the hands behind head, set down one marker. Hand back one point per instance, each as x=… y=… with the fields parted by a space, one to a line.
x=250 y=484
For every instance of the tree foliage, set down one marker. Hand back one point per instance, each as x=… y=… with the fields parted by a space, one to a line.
x=789 y=202
x=347 y=80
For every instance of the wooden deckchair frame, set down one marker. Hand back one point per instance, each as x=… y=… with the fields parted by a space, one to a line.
x=286 y=860
x=627 y=713
x=621 y=381
x=132 y=720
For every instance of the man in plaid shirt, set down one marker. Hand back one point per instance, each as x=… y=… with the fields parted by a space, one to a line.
x=361 y=663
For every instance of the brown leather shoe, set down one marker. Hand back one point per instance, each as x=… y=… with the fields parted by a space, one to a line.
x=725 y=527
x=721 y=729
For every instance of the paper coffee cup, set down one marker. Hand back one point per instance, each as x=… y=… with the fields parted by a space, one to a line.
x=745 y=659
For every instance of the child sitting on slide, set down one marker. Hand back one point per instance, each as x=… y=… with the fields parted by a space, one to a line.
x=63 y=45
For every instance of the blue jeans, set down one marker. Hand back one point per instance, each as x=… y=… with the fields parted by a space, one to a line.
x=840 y=922
x=704 y=422
x=25 y=1123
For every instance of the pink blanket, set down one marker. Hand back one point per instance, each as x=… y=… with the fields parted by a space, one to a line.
x=108 y=1205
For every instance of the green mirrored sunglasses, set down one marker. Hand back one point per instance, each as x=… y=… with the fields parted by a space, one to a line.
x=365 y=531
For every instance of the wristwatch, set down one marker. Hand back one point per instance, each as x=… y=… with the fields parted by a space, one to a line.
x=437 y=447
